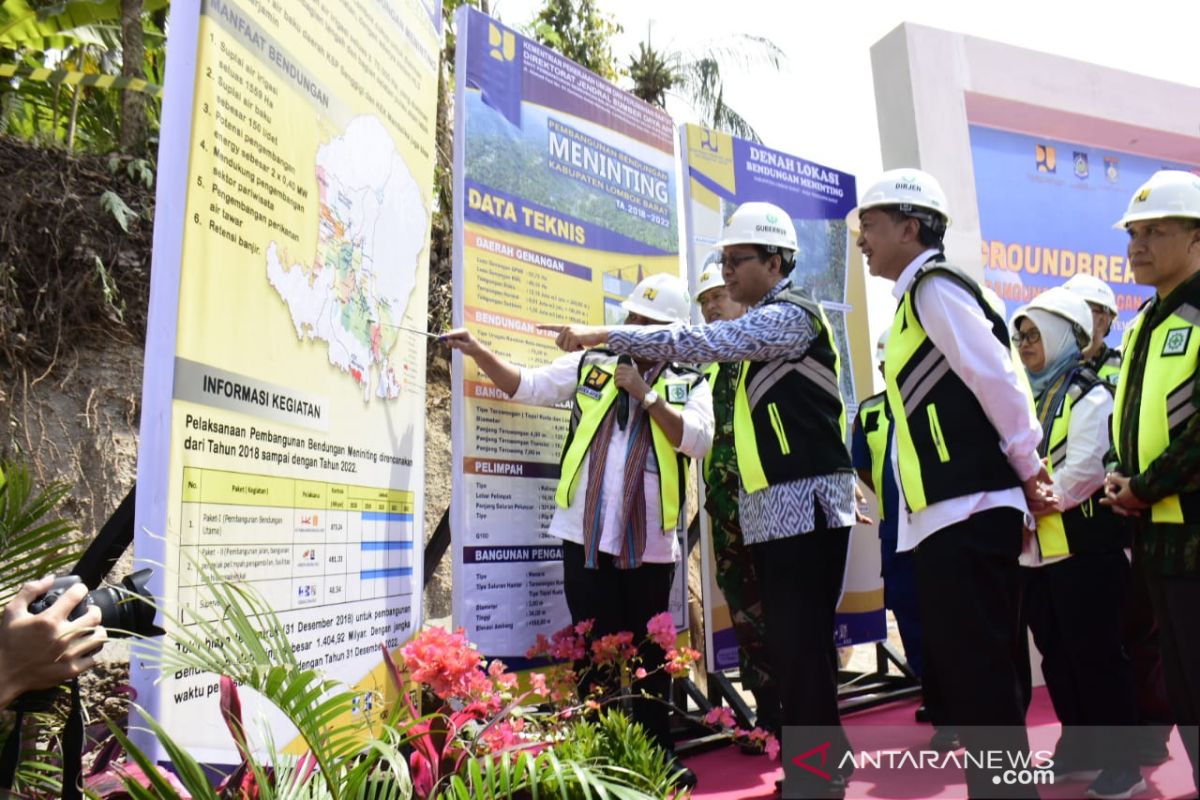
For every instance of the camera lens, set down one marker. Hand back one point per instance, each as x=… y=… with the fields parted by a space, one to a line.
x=124 y=609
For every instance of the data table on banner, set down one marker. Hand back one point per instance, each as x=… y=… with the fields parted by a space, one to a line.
x=301 y=543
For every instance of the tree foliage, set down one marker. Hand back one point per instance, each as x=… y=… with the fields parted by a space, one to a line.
x=581 y=32
x=696 y=77
x=93 y=37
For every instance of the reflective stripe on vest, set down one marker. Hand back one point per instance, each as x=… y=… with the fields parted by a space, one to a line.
x=759 y=398
x=876 y=429
x=969 y=459
x=594 y=396
x=1167 y=393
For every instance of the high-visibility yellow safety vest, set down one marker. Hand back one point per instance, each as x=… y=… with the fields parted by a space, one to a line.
x=945 y=444
x=789 y=421
x=1167 y=395
x=1109 y=368
x=876 y=428
x=1089 y=526
x=710 y=375
x=594 y=396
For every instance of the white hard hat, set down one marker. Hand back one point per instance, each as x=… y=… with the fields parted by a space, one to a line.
x=660 y=297
x=1066 y=304
x=881 y=345
x=910 y=189
x=710 y=278
x=1168 y=193
x=759 y=223
x=1093 y=290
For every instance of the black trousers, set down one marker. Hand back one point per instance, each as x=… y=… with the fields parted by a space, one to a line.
x=1074 y=609
x=968 y=584
x=799 y=581
x=623 y=600
x=1141 y=643
x=1176 y=603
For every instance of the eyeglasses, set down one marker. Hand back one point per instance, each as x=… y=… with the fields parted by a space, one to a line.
x=733 y=262
x=1033 y=336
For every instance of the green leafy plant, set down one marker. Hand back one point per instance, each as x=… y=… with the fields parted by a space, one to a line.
x=616 y=740
x=111 y=202
x=34 y=541
x=347 y=756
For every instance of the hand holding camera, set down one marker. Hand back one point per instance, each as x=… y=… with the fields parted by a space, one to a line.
x=41 y=650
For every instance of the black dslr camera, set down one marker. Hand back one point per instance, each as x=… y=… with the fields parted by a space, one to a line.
x=125 y=610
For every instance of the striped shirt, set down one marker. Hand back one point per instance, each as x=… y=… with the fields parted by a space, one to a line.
x=766 y=332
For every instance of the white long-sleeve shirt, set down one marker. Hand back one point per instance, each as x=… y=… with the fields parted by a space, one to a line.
x=555 y=383
x=958 y=328
x=1082 y=471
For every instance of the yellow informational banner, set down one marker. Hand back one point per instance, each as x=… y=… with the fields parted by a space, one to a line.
x=283 y=407
x=565 y=199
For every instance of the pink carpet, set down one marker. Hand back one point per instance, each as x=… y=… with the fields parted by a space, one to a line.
x=726 y=774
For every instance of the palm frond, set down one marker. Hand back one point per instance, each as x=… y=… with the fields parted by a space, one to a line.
x=33 y=541
x=23 y=24
x=186 y=768
x=255 y=652
x=743 y=51
x=730 y=121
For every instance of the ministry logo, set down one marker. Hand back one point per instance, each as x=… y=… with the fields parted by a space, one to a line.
x=1081 y=165
x=1112 y=169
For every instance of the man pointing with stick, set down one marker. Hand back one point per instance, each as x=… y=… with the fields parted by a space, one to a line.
x=634 y=425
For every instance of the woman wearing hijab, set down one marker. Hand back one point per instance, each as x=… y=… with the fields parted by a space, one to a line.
x=1077 y=574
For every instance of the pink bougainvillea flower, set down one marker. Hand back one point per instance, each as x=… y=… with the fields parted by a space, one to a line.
x=661 y=628
x=772 y=747
x=537 y=682
x=541 y=648
x=613 y=648
x=447 y=663
x=680 y=660
x=721 y=716
x=639 y=673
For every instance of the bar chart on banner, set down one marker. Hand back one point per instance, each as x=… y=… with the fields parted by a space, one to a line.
x=302 y=544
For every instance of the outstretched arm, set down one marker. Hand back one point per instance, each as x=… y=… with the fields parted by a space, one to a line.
x=505 y=375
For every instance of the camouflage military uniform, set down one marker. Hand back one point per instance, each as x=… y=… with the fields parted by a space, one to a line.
x=735 y=564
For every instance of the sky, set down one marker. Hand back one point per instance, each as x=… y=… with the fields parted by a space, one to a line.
x=821 y=105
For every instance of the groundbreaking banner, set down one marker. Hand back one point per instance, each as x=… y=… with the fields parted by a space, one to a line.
x=283 y=408
x=564 y=191
x=1046 y=211
x=722 y=172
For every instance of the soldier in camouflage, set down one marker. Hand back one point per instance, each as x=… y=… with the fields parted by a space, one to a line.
x=734 y=562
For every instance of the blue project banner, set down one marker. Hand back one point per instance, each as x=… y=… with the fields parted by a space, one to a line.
x=565 y=199
x=1046 y=211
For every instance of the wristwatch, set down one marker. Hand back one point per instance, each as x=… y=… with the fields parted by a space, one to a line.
x=650 y=399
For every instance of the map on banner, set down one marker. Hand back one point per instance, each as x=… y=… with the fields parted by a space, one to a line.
x=368 y=206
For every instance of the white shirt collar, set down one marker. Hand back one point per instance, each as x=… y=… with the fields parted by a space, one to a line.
x=906 y=277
